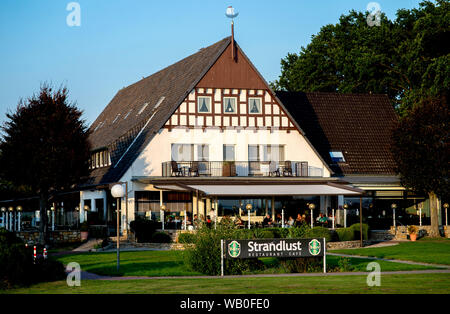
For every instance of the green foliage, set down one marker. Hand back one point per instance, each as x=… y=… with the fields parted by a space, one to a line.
x=404 y=58
x=344 y=264
x=16 y=264
x=301 y=265
x=161 y=237
x=143 y=229
x=352 y=233
x=186 y=238
x=298 y=232
x=318 y=232
x=204 y=256
x=421 y=142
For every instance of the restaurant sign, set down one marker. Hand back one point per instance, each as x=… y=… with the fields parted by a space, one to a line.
x=274 y=248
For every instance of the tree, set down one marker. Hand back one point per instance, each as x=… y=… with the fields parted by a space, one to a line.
x=421 y=150
x=405 y=59
x=45 y=147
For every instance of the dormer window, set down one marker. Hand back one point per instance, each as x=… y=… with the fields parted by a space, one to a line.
x=204 y=104
x=337 y=156
x=229 y=104
x=254 y=106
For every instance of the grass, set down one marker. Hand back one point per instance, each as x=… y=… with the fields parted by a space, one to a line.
x=404 y=283
x=424 y=251
x=134 y=263
x=170 y=263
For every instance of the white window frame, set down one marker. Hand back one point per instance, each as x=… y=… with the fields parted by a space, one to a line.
x=260 y=105
x=198 y=104
x=224 y=104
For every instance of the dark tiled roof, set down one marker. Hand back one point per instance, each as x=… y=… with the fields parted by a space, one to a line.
x=121 y=121
x=359 y=125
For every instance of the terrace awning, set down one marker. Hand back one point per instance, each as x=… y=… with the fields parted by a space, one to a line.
x=276 y=189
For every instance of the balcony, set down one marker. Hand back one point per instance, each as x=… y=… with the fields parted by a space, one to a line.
x=239 y=169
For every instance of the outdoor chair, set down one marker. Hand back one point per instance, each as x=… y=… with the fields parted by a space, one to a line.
x=194 y=169
x=273 y=169
x=175 y=170
x=287 y=170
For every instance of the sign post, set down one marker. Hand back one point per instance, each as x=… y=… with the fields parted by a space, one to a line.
x=296 y=248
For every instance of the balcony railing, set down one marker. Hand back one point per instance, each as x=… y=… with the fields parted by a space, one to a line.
x=240 y=169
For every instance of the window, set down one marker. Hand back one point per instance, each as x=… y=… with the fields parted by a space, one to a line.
x=253 y=153
x=203 y=152
x=182 y=152
x=229 y=104
x=228 y=153
x=254 y=105
x=273 y=152
x=337 y=156
x=204 y=104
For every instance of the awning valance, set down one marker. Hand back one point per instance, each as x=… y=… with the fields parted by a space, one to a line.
x=276 y=189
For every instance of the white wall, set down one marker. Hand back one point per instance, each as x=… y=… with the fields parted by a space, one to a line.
x=149 y=163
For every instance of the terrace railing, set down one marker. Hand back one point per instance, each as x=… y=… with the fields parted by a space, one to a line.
x=240 y=169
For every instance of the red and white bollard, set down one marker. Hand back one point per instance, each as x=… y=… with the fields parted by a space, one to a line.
x=34 y=254
x=45 y=253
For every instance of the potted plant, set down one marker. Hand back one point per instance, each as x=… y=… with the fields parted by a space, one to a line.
x=84 y=228
x=412 y=230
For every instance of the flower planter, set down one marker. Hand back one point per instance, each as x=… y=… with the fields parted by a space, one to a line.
x=84 y=235
x=413 y=236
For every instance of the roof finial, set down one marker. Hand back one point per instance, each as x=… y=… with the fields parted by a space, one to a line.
x=231 y=13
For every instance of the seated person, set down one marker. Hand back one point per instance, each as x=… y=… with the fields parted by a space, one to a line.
x=267 y=221
x=291 y=221
x=322 y=219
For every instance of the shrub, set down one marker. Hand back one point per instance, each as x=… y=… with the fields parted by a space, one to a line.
x=302 y=265
x=298 y=232
x=356 y=231
x=345 y=234
x=143 y=229
x=186 y=237
x=204 y=256
x=161 y=237
x=16 y=264
x=318 y=232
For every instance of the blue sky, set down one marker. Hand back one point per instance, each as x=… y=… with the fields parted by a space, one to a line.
x=121 y=41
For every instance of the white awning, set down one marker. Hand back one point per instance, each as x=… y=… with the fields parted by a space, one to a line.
x=276 y=189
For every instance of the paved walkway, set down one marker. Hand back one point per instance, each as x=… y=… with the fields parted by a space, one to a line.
x=90 y=276
x=390 y=260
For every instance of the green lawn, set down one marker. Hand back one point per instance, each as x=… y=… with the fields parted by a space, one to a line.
x=170 y=263
x=411 y=283
x=425 y=251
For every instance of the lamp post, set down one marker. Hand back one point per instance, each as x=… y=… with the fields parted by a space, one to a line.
x=19 y=210
x=420 y=214
x=282 y=217
x=345 y=215
x=162 y=208
x=394 y=206
x=53 y=216
x=311 y=207
x=248 y=207
x=77 y=209
x=3 y=209
x=118 y=192
x=446 y=217
x=333 y=217
x=11 y=217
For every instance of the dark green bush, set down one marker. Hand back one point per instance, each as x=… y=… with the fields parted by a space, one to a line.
x=302 y=265
x=186 y=237
x=352 y=233
x=318 y=232
x=144 y=229
x=298 y=232
x=204 y=256
x=17 y=267
x=161 y=237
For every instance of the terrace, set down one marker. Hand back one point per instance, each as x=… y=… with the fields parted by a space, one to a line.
x=240 y=169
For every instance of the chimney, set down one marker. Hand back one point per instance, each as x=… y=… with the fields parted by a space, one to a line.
x=233 y=52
